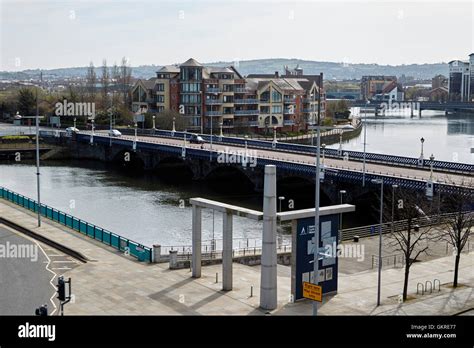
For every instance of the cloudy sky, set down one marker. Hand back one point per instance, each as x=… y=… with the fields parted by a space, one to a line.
x=51 y=34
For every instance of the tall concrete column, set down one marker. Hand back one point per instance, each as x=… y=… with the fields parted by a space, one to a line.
x=227 y=252
x=196 y=259
x=268 y=278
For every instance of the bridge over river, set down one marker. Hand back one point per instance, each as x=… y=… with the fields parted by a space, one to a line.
x=164 y=147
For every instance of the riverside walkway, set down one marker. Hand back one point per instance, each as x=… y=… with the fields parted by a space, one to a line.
x=111 y=283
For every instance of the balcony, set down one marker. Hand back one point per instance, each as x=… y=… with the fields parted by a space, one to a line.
x=213 y=113
x=213 y=102
x=264 y=100
x=288 y=112
x=246 y=112
x=288 y=122
x=290 y=100
x=213 y=90
x=245 y=101
x=239 y=90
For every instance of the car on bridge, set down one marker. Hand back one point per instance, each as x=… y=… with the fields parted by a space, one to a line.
x=114 y=133
x=71 y=130
x=196 y=139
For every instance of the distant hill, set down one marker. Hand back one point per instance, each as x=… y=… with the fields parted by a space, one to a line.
x=331 y=70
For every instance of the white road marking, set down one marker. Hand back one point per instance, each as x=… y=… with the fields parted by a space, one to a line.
x=51 y=281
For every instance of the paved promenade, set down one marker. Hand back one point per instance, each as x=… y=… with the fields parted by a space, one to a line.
x=111 y=283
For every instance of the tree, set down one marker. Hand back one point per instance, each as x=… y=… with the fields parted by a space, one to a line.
x=337 y=108
x=26 y=102
x=91 y=81
x=105 y=82
x=125 y=79
x=164 y=120
x=458 y=225
x=411 y=242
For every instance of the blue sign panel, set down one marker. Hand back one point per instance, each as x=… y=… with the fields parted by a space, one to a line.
x=329 y=226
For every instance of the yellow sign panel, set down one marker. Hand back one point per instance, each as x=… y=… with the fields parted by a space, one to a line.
x=312 y=291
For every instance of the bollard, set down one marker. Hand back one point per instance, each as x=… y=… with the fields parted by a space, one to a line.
x=156 y=252
x=251 y=291
x=173 y=259
x=217 y=277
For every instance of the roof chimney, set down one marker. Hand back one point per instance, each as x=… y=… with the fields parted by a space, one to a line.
x=276 y=74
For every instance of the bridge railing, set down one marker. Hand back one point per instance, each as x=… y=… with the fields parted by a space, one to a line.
x=401 y=225
x=141 y=252
x=454 y=167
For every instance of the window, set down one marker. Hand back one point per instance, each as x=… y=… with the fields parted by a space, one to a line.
x=160 y=98
x=276 y=109
x=160 y=87
x=276 y=96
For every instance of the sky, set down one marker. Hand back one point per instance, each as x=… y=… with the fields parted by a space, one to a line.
x=50 y=34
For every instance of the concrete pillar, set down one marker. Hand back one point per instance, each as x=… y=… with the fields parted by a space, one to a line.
x=156 y=252
x=196 y=241
x=268 y=278
x=173 y=259
x=227 y=252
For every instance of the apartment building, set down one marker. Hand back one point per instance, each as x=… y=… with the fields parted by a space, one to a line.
x=372 y=86
x=461 y=80
x=221 y=97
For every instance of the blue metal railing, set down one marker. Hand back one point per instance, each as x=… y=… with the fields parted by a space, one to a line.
x=120 y=243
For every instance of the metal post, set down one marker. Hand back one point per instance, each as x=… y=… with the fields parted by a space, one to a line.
x=74 y=122
x=210 y=149
x=154 y=121
x=341 y=193
x=422 y=140
x=38 y=159
x=174 y=128
x=393 y=205
x=379 y=281
x=317 y=198
x=431 y=167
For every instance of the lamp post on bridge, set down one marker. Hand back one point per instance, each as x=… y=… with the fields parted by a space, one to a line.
x=365 y=141
x=153 y=117
x=281 y=198
x=323 y=146
x=174 y=128
x=74 y=123
x=431 y=167
x=221 y=134
x=422 y=140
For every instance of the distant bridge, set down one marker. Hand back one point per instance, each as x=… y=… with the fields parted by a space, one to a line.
x=416 y=106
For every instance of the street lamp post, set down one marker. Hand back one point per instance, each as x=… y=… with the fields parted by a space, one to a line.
x=317 y=198
x=379 y=281
x=341 y=194
x=431 y=167
x=274 y=134
x=281 y=199
x=394 y=186
x=340 y=142
x=365 y=141
x=210 y=149
x=74 y=122
x=422 y=140
x=174 y=128
x=38 y=160
x=323 y=146
x=221 y=134
x=154 y=122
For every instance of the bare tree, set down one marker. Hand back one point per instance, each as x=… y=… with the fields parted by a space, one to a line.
x=458 y=225
x=91 y=81
x=125 y=79
x=105 y=81
x=412 y=241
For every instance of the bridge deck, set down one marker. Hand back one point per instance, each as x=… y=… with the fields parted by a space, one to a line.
x=331 y=163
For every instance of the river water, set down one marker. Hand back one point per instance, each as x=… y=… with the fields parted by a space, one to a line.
x=150 y=210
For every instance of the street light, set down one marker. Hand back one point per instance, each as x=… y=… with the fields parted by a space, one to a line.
x=220 y=125
x=340 y=142
x=365 y=141
x=317 y=198
x=394 y=186
x=281 y=199
x=74 y=122
x=38 y=157
x=323 y=146
x=380 y=181
x=210 y=149
x=154 y=121
x=422 y=140
x=341 y=194
x=274 y=134
x=136 y=125
x=174 y=128
x=431 y=167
